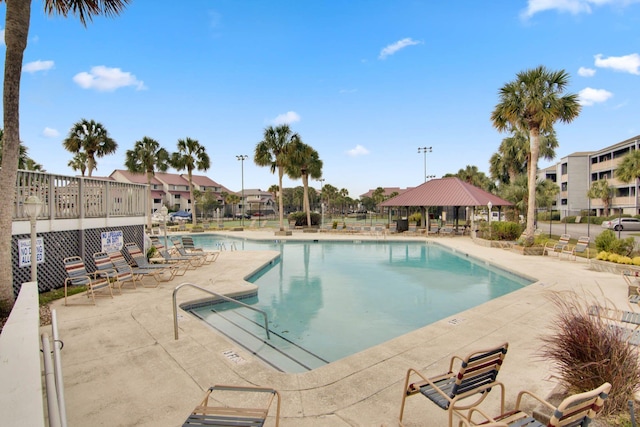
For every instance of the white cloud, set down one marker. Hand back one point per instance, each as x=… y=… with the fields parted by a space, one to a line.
x=359 y=150
x=106 y=79
x=574 y=7
x=38 y=65
x=50 y=133
x=393 y=48
x=628 y=63
x=287 y=118
x=589 y=96
x=586 y=72
x=348 y=90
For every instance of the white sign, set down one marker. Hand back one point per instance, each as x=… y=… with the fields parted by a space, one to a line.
x=24 y=251
x=112 y=241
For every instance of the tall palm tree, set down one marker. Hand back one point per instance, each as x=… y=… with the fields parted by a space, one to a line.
x=629 y=170
x=92 y=138
x=190 y=156
x=601 y=190
x=304 y=162
x=17 y=16
x=273 y=151
x=533 y=103
x=24 y=161
x=146 y=157
x=79 y=163
x=514 y=154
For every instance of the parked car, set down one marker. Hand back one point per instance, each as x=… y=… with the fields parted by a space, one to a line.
x=627 y=224
x=239 y=215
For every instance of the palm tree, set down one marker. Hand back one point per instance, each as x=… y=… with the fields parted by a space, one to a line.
x=304 y=162
x=24 y=161
x=233 y=200
x=92 y=138
x=629 y=170
x=600 y=189
x=533 y=103
x=273 y=151
x=79 y=163
x=190 y=156
x=514 y=154
x=146 y=157
x=17 y=17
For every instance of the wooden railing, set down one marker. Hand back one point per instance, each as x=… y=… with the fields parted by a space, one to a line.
x=66 y=197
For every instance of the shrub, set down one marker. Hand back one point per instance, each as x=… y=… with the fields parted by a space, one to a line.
x=586 y=352
x=334 y=225
x=504 y=230
x=604 y=241
x=301 y=218
x=417 y=218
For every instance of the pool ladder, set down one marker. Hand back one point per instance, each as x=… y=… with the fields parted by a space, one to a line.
x=222 y=246
x=224 y=297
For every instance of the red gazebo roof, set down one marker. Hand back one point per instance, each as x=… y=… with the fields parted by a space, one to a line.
x=450 y=191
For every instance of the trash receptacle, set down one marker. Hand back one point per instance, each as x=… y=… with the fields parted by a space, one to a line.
x=402 y=225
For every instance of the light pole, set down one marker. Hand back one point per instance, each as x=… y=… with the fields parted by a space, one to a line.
x=164 y=212
x=242 y=158
x=321 y=203
x=32 y=207
x=425 y=150
x=489 y=205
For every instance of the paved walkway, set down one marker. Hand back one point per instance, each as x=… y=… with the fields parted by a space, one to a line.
x=123 y=367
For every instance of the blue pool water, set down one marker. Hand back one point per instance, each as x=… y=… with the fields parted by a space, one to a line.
x=334 y=299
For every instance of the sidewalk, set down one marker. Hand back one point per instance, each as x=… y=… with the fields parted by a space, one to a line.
x=123 y=367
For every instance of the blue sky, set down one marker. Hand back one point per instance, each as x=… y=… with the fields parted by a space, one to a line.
x=364 y=82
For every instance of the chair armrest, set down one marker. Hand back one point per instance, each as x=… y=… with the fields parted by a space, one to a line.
x=534 y=396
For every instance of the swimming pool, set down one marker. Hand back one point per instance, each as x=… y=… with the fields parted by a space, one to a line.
x=329 y=300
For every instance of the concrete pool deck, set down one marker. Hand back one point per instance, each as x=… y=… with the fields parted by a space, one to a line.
x=123 y=367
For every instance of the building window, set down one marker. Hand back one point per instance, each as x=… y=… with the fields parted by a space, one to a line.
x=564 y=186
x=623 y=192
x=564 y=168
x=563 y=202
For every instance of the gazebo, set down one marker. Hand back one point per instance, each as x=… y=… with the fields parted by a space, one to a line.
x=445 y=192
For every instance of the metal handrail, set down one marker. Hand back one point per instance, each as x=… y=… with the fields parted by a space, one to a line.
x=224 y=297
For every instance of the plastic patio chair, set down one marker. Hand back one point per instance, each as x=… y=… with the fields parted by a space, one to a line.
x=234 y=415
x=474 y=378
x=78 y=276
x=576 y=410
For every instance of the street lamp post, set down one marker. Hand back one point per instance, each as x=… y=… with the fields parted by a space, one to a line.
x=425 y=150
x=242 y=158
x=164 y=212
x=321 y=202
x=489 y=206
x=32 y=207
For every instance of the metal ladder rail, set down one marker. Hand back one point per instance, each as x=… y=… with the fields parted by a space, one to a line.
x=224 y=297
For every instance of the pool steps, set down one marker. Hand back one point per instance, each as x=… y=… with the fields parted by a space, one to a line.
x=279 y=352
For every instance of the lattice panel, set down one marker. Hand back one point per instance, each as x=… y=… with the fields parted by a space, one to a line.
x=62 y=244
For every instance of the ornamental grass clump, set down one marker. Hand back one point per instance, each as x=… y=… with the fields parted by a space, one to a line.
x=586 y=351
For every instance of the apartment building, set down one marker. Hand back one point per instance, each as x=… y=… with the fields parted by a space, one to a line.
x=576 y=172
x=173 y=190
